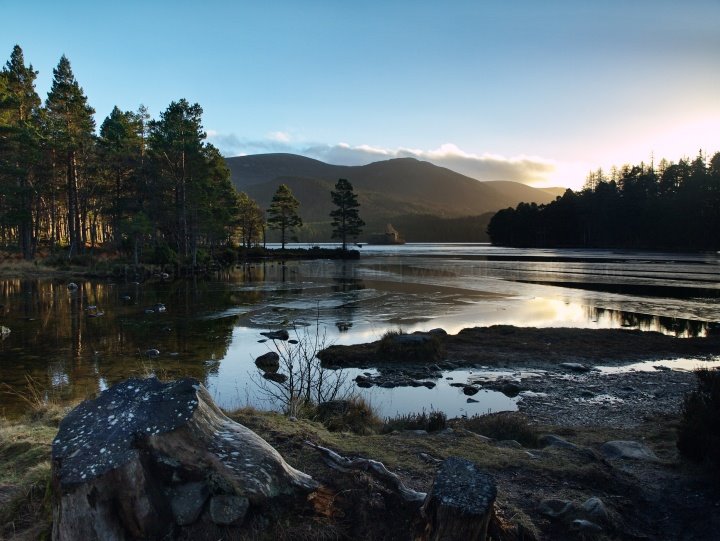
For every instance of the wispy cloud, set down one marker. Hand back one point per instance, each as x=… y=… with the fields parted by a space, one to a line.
x=527 y=169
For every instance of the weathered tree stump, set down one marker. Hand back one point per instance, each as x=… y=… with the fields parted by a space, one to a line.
x=460 y=504
x=145 y=458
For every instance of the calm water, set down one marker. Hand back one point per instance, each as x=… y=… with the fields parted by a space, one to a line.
x=211 y=328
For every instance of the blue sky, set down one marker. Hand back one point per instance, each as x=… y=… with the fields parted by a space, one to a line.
x=533 y=91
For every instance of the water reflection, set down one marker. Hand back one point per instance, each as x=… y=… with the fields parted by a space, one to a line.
x=210 y=328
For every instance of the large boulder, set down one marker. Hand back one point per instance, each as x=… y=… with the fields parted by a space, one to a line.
x=146 y=458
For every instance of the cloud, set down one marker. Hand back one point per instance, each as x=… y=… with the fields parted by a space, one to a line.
x=279 y=136
x=531 y=170
x=528 y=169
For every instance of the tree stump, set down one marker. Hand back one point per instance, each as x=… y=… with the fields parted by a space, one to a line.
x=460 y=504
x=146 y=458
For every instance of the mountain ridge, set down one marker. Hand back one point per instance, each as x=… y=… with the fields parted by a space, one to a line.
x=386 y=189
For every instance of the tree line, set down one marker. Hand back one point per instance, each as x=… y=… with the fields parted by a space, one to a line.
x=672 y=206
x=137 y=185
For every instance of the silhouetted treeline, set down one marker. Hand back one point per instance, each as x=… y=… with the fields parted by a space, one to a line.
x=674 y=206
x=428 y=228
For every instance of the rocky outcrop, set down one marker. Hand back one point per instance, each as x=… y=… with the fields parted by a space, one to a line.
x=146 y=458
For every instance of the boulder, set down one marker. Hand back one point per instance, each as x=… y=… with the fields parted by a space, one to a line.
x=575 y=367
x=282 y=334
x=627 y=450
x=551 y=440
x=274 y=376
x=228 y=510
x=268 y=362
x=4 y=331
x=145 y=457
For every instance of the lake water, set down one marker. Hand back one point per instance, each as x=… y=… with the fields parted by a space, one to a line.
x=211 y=327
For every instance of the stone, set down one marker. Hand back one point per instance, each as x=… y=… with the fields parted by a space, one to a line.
x=508 y=444
x=575 y=367
x=596 y=510
x=555 y=508
x=551 y=440
x=273 y=376
x=510 y=389
x=268 y=362
x=227 y=510
x=188 y=501
x=470 y=390
x=152 y=353
x=437 y=332
x=460 y=502
x=627 y=450
x=4 y=331
x=72 y=286
x=586 y=526
x=145 y=455
x=282 y=334
x=471 y=400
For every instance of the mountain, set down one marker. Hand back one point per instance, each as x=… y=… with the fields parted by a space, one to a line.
x=398 y=190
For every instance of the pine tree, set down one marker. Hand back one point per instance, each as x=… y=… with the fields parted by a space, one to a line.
x=19 y=148
x=71 y=124
x=120 y=158
x=346 y=221
x=282 y=213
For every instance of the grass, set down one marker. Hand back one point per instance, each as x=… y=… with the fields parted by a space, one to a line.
x=506 y=425
x=430 y=422
x=699 y=431
x=392 y=347
x=25 y=497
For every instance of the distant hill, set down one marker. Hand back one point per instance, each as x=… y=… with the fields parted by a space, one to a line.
x=409 y=191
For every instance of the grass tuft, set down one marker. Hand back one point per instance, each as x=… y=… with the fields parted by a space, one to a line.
x=430 y=422
x=505 y=425
x=699 y=431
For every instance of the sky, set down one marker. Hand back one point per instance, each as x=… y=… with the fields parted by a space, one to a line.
x=533 y=91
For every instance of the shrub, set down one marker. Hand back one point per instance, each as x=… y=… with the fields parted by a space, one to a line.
x=398 y=346
x=505 y=425
x=699 y=432
x=354 y=415
x=431 y=422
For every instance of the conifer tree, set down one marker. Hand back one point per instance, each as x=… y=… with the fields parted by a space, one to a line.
x=19 y=149
x=71 y=125
x=346 y=221
x=282 y=213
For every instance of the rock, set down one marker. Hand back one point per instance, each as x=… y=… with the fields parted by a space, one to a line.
x=188 y=501
x=575 y=367
x=4 y=331
x=471 y=400
x=437 y=332
x=555 y=508
x=152 y=353
x=510 y=389
x=145 y=455
x=228 y=510
x=282 y=334
x=551 y=440
x=429 y=384
x=159 y=308
x=586 y=526
x=269 y=362
x=470 y=390
x=627 y=449
x=596 y=510
x=460 y=502
x=72 y=286
x=277 y=378
x=509 y=444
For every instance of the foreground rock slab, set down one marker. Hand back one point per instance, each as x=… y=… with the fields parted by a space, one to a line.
x=146 y=458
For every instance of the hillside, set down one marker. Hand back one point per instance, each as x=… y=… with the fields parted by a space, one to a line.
x=403 y=189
